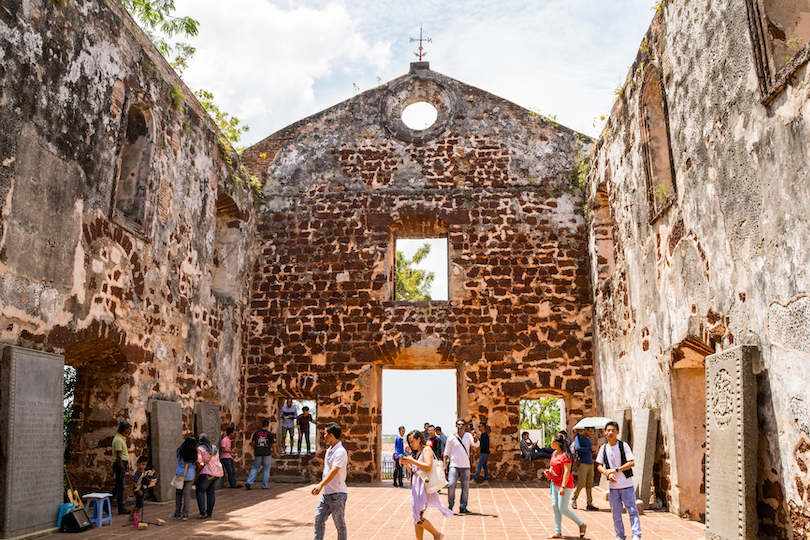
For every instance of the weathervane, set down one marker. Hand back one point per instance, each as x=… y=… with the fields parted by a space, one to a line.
x=420 y=54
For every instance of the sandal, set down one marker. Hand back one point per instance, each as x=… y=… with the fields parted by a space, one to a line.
x=582 y=529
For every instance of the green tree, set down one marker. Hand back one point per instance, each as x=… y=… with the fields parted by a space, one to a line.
x=158 y=21
x=230 y=126
x=412 y=283
x=543 y=413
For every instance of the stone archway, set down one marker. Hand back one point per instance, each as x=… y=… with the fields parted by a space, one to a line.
x=99 y=404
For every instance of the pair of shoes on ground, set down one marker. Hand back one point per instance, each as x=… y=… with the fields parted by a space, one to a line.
x=204 y=516
x=175 y=516
x=591 y=507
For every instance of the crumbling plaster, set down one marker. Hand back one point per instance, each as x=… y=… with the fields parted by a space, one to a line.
x=135 y=313
x=731 y=251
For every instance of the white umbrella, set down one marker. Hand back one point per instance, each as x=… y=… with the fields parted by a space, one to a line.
x=593 y=422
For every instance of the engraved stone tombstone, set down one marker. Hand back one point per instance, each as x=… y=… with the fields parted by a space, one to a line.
x=31 y=434
x=645 y=437
x=166 y=430
x=207 y=420
x=731 y=444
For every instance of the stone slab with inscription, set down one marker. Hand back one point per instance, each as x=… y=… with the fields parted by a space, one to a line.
x=731 y=444
x=31 y=433
x=166 y=430
x=644 y=439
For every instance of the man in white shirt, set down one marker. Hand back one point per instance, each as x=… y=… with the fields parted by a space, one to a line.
x=615 y=461
x=457 y=453
x=333 y=485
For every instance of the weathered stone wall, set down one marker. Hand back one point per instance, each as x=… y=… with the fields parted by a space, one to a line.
x=496 y=180
x=116 y=275
x=721 y=258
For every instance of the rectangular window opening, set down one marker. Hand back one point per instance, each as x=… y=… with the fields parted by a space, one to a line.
x=542 y=418
x=421 y=269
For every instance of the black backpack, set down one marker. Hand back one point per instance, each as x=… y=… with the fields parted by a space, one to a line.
x=629 y=472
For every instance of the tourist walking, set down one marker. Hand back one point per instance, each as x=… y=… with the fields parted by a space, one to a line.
x=584 y=449
x=483 y=456
x=562 y=483
x=435 y=442
x=210 y=470
x=264 y=446
x=615 y=461
x=226 y=457
x=333 y=485
x=187 y=468
x=422 y=458
x=399 y=451
x=457 y=454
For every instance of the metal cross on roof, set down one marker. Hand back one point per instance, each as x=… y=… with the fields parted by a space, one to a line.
x=420 y=54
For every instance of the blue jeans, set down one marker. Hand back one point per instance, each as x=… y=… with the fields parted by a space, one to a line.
x=559 y=503
x=482 y=464
x=205 y=488
x=118 y=490
x=452 y=478
x=335 y=504
x=230 y=470
x=260 y=462
x=626 y=497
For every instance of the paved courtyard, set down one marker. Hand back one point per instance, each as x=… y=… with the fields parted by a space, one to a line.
x=381 y=512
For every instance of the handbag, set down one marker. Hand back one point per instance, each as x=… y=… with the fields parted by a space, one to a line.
x=434 y=479
x=178 y=481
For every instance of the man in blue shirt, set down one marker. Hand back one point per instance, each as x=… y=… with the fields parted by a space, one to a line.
x=584 y=448
x=399 y=451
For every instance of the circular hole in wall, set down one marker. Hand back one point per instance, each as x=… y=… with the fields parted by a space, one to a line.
x=420 y=115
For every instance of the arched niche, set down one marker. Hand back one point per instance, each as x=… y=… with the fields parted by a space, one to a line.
x=655 y=144
x=135 y=159
x=228 y=268
x=602 y=232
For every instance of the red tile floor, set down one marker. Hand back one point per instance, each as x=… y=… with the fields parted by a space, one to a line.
x=501 y=511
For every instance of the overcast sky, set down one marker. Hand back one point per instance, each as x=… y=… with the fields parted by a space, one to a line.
x=274 y=62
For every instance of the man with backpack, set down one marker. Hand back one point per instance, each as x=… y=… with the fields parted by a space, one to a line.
x=457 y=454
x=583 y=447
x=264 y=445
x=615 y=461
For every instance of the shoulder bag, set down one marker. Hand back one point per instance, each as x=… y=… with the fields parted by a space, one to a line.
x=178 y=481
x=434 y=478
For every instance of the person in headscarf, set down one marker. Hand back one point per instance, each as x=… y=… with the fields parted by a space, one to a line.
x=210 y=470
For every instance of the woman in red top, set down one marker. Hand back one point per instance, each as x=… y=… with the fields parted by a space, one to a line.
x=562 y=485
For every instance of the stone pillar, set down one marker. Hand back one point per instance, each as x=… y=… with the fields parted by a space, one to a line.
x=644 y=439
x=166 y=430
x=731 y=444
x=31 y=440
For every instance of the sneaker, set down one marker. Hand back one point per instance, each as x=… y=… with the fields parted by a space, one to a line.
x=591 y=507
x=484 y=483
x=174 y=516
x=636 y=538
x=463 y=510
x=574 y=504
x=247 y=486
x=473 y=482
x=184 y=518
x=236 y=486
x=450 y=506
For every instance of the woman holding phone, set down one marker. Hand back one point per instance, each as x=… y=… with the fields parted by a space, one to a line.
x=420 y=498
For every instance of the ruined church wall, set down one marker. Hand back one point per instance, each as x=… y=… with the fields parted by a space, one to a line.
x=722 y=261
x=128 y=302
x=324 y=323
